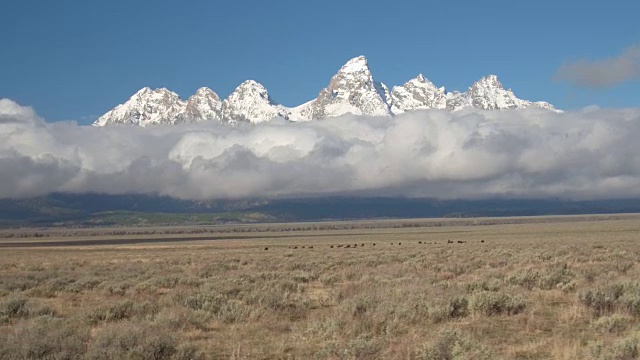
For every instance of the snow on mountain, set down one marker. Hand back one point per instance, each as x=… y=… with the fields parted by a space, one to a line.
x=544 y=105
x=204 y=105
x=146 y=107
x=250 y=102
x=352 y=90
x=418 y=93
x=457 y=101
x=489 y=94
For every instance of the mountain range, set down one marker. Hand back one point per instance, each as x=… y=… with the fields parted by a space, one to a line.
x=77 y=210
x=352 y=90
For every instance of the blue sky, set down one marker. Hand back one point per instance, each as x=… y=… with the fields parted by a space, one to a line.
x=74 y=60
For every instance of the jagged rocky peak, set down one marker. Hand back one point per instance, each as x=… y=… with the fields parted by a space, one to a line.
x=488 y=82
x=358 y=64
x=204 y=105
x=544 y=105
x=160 y=96
x=145 y=107
x=355 y=73
x=489 y=94
x=420 y=79
x=351 y=90
x=250 y=102
x=144 y=91
x=417 y=93
x=250 y=88
x=205 y=92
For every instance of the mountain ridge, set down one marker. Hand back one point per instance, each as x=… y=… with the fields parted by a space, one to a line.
x=352 y=90
x=91 y=210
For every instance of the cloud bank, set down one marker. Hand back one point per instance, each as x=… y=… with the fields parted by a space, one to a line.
x=11 y=112
x=603 y=73
x=472 y=154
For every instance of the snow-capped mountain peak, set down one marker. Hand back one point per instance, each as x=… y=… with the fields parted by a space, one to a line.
x=357 y=64
x=250 y=102
x=417 y=93
x=206 y=92
x=145 y=90
x=251 y=88
x=356 y=69
x=145 y=107
x=160 y=94
x=204 y=105
x=351 y=90
x=489 y=94
x=489 y=82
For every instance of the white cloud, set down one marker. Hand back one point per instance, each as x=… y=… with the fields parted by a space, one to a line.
x=469 y=154
x=603 y=73
x=12 y=112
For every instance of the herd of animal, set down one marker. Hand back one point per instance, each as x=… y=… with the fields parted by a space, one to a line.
x=351 y=246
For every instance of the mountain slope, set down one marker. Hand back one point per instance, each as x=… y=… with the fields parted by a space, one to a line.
x=250 y=102
x=418 y=93
x=144 y=108
x=204 y=105
x=489 y=94
x=99 y=209
x=352 y=90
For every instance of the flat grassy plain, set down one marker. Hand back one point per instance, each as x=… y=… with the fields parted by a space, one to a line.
x=506 y=288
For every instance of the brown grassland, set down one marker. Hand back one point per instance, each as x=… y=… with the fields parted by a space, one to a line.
x=538 y=288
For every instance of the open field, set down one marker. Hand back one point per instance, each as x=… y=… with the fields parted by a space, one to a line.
x=510 y=288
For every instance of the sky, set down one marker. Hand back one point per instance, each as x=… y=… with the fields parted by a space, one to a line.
x=75 y=60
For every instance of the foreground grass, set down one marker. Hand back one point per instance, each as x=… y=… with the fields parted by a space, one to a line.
x=519 y=291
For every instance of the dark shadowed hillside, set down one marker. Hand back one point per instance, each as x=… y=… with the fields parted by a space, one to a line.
x=98 y=209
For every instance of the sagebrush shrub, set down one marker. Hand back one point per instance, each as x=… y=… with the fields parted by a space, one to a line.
x=496 y=303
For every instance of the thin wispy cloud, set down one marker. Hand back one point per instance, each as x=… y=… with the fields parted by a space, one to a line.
x=603 y=73
x=468 y=154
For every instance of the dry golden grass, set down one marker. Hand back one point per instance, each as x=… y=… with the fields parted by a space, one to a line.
x=534 y=290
